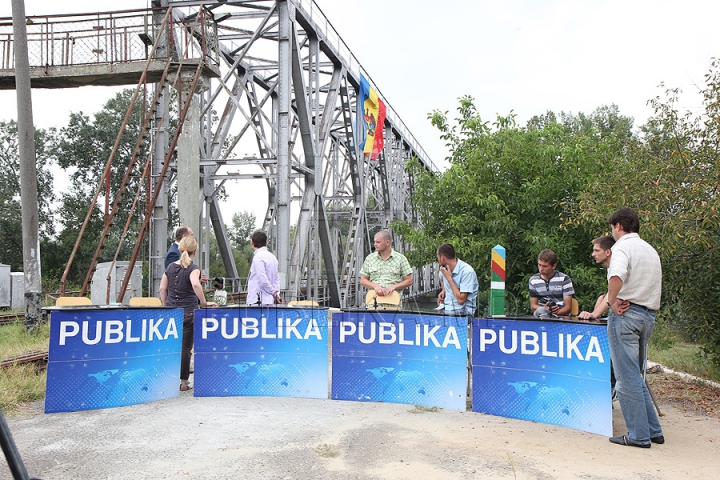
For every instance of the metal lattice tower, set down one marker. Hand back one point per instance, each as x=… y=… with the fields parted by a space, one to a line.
x=282 y=87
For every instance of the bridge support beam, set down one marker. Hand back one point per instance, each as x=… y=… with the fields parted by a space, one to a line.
x=283 y=149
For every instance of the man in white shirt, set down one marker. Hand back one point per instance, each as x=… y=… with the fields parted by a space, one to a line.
x=635 y=277
x=264 y=279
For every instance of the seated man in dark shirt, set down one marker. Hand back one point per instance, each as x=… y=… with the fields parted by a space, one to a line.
x=551 y=291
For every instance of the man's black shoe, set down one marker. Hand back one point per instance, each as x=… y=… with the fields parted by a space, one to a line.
x=624 y=441
x=659 y=439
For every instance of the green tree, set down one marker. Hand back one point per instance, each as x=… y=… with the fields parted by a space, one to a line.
x=239 y=233
x=241 y=229
x=82 y=149
x=11 y=247
x=672 y=180
x=513 y=186
x=71 y=214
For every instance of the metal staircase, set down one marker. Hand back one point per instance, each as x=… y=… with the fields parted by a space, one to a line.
x=197 y=32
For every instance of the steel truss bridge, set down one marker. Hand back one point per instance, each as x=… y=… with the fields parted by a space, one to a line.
x=283 y=86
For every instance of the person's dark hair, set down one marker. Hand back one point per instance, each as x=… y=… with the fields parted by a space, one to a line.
x=259 y=239
x=548 y=256
x=447 y=251
x=627 y=218
x=605 y=242
x=180 y=233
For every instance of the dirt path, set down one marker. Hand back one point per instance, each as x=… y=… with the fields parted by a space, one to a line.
x=281 y=438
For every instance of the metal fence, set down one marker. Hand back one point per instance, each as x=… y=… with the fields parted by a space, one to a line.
x=110 y=37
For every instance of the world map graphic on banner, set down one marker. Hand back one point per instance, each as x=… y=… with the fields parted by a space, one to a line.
x=410 y=358
x=112 y=357
x=261 y=351
x=551 y=372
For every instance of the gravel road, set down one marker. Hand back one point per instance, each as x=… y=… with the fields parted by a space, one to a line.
x=290 y=438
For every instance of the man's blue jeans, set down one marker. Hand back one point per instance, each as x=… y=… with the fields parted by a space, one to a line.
x=628 y=335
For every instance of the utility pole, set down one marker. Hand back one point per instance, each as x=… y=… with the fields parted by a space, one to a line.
x=159 y=224
x=28 y=173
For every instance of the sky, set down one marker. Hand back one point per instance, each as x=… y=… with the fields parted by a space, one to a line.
x=524 y=56
x=527 y=56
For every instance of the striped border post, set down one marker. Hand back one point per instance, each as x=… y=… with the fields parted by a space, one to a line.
x=497 y=282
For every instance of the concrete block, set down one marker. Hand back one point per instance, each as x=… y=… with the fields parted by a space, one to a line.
x=4 y=285
x=99 y=287
x=17 y=289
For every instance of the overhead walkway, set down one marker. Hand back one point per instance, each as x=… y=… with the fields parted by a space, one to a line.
x=109 y=49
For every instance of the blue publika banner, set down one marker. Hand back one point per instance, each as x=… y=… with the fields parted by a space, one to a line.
x=263 y=351
x=102 y=358
x=550 y=372
x=398 y=357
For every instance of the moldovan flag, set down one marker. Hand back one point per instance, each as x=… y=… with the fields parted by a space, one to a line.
x=373 y=118
x=379 y=131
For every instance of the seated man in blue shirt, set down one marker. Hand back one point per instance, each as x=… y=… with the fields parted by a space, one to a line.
x=551 y=291
x=459 y=283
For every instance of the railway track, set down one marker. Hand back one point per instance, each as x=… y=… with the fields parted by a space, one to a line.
x=7 y=318
x=37 y=356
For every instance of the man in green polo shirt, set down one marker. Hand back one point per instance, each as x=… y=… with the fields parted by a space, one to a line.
x=385 y=270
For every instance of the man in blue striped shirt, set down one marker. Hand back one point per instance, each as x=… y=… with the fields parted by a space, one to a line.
x=551 y=291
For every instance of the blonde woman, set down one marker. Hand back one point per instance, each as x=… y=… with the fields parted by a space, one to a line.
x=180 y=287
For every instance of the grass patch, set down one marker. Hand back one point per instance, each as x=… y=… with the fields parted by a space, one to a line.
x=512 y=465
x=685 y=357
x=15 y=340
x=327 y=451
x=422 y=409
x=20 y=384
x=25 y=382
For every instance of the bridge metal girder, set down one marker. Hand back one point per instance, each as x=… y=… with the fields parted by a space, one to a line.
x=306 y=138
x=286 y=85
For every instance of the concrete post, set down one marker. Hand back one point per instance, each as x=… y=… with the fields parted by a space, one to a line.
x=188 y=158
x=28 y=172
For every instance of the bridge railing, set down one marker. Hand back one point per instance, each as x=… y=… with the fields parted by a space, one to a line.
x=108 y=37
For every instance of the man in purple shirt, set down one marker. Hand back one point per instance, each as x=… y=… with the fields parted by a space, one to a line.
x=264 y=281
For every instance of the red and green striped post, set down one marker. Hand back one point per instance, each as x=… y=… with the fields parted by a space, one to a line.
x=497 y=282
